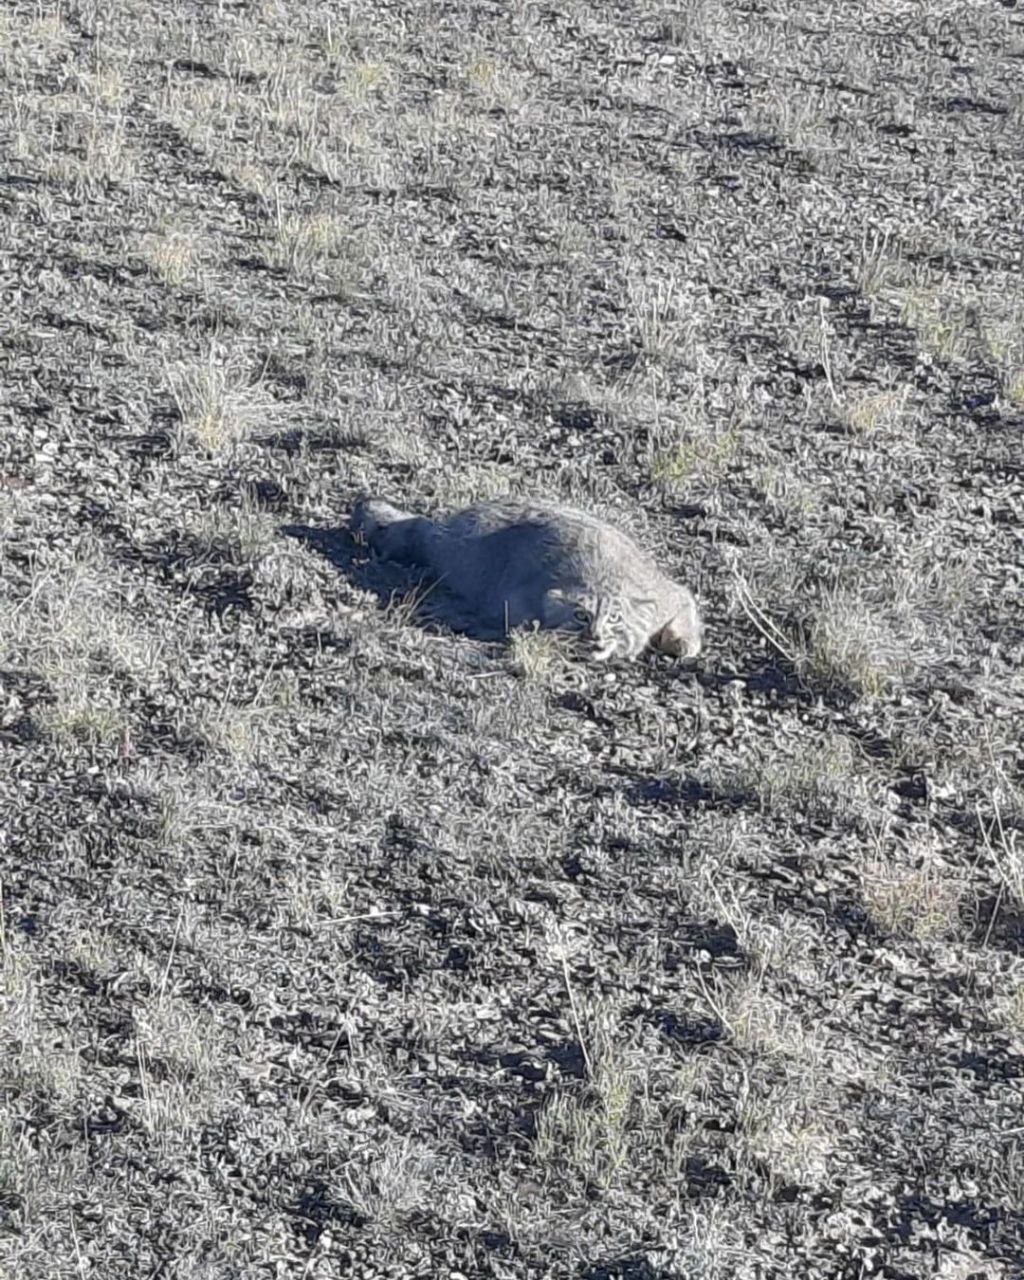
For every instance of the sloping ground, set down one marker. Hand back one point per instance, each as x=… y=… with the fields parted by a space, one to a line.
x=334 y=943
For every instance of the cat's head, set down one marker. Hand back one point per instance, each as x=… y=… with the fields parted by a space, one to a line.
x=369 y=515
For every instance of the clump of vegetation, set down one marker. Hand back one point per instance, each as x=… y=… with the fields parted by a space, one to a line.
x=848 y=644
x=218 y=399
x=915 y=901
x=823 y=779
x=875 y=410
x=533 y=654
x=705 y=459
x=306 y=241
x=173 y=256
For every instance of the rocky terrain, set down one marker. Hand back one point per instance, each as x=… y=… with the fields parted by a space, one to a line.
x=333 y=942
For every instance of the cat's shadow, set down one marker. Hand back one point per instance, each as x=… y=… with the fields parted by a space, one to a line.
x=429 y=605
x=356 y=562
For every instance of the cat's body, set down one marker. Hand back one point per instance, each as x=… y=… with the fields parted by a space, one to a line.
x=513 y=563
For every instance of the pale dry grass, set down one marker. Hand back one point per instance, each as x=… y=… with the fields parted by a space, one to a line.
x=394 y=1182
x=184 y=1068
x=536 y=655
x=821 y=775
x=219 y=398
x=880 y=263
x=663 y=314
x=919 y=900
x=786 y=1128
x=1007 y=1006
x=957 y=321
x=587 y=1136
x=869 y=629
x=77 y=136
x=269 y=111
x=75 y=631
x=249 y=533
x=83 y=710
x=175 y=257
x=877 y=410
x=246 y=732
x=36 y=1056
x=703 y=460
x=851 y=644
x=308 y=242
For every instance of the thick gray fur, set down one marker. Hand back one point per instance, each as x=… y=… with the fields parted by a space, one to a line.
x=513 y=563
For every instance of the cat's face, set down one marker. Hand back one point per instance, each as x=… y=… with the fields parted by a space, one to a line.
x=623 y=628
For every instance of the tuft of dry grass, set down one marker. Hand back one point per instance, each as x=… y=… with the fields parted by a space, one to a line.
x=173 y=256
x=219 y=401
x=251 y=534
x=307 y=242
x=584 y=1136
x=876 y=410
x=705 y=460
x=245 y=732
x=74 y=631
x=85 y=712
x=851 y=645
x=664 y=317
x=535 y=654
x=913 y=897
x=870 y=630
x=823 y=778
x=790 y=1133
x=879 y=263
x=957 y=323
x=1007 y=1006
x=941 y=324
x=36 y=1058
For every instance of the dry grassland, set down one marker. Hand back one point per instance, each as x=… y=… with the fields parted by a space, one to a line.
x=334 y=943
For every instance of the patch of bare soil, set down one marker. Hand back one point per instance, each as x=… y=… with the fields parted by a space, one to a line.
x=335 y=943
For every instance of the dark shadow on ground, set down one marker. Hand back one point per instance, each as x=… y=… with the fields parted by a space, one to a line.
x=336 y=545
x=382 y=578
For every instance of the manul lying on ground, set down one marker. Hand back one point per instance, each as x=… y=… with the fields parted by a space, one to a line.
x=510 y=563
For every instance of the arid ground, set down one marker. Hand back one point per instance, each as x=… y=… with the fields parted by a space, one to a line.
x=334 y=943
